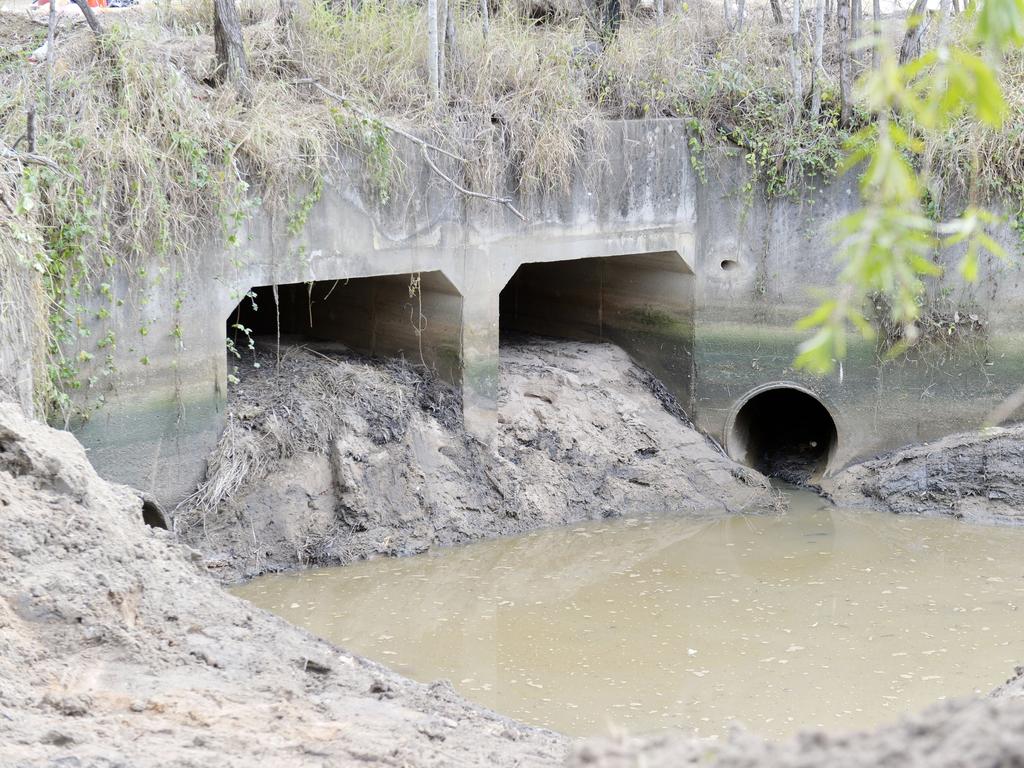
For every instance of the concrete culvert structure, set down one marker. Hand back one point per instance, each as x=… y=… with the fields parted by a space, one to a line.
x=783 y=431
x=417 y=317
x=642 y=302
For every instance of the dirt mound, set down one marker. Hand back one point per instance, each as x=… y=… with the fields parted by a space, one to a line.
x=327 y=459
x=977 y=476
x=951 y=734
x=116 y=650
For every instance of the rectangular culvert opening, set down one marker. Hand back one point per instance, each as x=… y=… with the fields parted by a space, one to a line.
x=643 y=302
x=415 y=317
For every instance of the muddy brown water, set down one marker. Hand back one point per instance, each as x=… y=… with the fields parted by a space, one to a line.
x=816 y=617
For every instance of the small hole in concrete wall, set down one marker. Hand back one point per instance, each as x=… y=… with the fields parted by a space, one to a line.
x=729 y=264
x=153 y=516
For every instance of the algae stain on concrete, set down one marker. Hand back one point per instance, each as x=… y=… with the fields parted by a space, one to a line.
x=817 y=617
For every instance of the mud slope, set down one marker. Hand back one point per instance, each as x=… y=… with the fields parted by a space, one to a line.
x=116 y=651
x=976 y=476
x=327 y=459
x=969 y=733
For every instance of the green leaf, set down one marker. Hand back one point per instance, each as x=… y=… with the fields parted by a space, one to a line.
x=819 y=316
x=969 y=266
x=1000 y=23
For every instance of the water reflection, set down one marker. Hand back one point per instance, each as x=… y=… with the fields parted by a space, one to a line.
x=818 y=616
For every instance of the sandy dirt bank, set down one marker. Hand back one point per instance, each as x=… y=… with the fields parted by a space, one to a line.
x=968 y=733
x=116 y=650
x=331 y=459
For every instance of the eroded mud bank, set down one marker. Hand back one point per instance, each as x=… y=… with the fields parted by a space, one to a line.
x=332 y=458
x=116 y=650
x=951 y=734
x=976 y=476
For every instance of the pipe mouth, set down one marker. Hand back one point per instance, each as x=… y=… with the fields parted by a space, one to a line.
x=785 y=431
x=153 y=515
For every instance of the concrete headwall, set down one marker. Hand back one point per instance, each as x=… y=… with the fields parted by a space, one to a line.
x=780 y=263
x=19 y=342
x=704 y=287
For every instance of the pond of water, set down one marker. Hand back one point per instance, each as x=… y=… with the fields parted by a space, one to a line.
x=815 y=617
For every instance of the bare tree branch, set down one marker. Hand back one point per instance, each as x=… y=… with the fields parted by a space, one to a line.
x=30 y=158
x=5 y=201
x=90 y=17
x=506 y=201
x=425 y=146
x=370 y=116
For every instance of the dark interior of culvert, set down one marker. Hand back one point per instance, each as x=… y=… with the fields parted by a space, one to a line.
x=785 y=433
x=642 y=302
x=414 y=317
x=152 y=515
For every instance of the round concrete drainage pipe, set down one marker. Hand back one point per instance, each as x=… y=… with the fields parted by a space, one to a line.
x=783 y=431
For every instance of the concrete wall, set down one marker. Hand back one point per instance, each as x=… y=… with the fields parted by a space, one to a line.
x=783 y=264
x=19 y=344
x=713 y=333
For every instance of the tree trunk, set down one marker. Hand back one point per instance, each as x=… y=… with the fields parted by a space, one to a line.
x=741 y=6
x=485 y=16
x=776 y=11
x=442 y=45
x=845 y=74
x=917 y=25
x=451 y=43
x=285 y=12
x=51 y=51
x=90 y=16
x=728 y=15
x=876 y=32
x=856 y=16
x=794 y=63
x=659 y=10
x=433 y=75
x=819 y=45
x=944 y=6
x=227 y=38
x=612 y=17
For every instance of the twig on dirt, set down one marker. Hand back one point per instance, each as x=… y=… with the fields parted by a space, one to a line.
x=425 y=146
x=30 y=126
